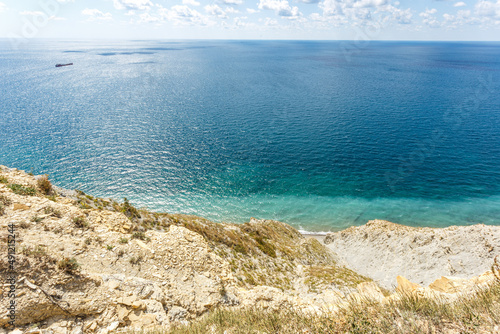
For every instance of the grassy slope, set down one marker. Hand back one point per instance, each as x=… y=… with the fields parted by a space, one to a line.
x=478 y=312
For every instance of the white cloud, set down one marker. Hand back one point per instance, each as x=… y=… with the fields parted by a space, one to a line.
x=231 y=10
x=399 y=15
x=31 y=13
x=148 y=18
x=190 y=2
x=3 y=7
x=215 y=10
x=252 y=11
x=132 y=4
x=270 y=22
x=429 y=19
x=232 y=2
x=368 y=3
x=309 y=1
x=354 y=9
x=96 y=14
x=488 y=9
x=240 y=21
x=460 y=4
x=38 y=13
x=183 y=15
x=281 y=7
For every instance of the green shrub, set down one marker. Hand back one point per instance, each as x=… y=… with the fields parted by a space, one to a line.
x=53 y=212
x=4 y=200
x=38 y=251
x=3 y=179
x=36 y=219
x=69 y=265
x=22 y=190
x=129 y=210
x=123 y=240
x=140 y=235
x=80 y=222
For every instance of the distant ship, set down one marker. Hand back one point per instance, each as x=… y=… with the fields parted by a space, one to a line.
x=61 y=65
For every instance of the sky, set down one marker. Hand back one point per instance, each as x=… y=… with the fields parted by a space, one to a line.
x=471 y=20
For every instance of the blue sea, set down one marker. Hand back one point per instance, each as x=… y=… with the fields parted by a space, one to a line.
x=322 y=135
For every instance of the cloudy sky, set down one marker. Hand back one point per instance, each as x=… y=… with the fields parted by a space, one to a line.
x=252 y=19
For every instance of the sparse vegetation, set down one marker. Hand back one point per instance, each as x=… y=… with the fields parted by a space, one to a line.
x=123 y=240
x=24 y=225
x=136 y=259
x=53 y=212
x=44 y=184
x=38 y=251
x=318 y=276
x=109 y=247
x=80 y=222
x=36 y=219
x=473 y=313
x=140 y=235
x=22 y=190
x=69 y=265
x=3 y=179
x=129 y=210
x=4 y=201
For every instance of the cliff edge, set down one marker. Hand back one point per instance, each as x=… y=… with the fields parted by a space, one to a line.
x=383 y=250
x=74 y=263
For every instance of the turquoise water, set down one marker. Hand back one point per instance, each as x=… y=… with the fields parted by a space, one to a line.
x=321 y=135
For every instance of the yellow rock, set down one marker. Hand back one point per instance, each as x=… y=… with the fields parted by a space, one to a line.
x=122 y=312
x=113 y=284
x=19 y=206
x=405 y=286
x=138 y=304
x=142 y=245
x=128 y=301
x=370 y=290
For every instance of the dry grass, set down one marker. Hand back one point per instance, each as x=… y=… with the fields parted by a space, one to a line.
x=318 y=276
x=4 y=201
x=44 y=184
x=477 y=312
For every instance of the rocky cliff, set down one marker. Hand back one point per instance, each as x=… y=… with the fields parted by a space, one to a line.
x=83 y=264
x=383 y=250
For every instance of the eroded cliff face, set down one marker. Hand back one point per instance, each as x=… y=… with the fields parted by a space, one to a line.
x=85 y=264
x=383 y=250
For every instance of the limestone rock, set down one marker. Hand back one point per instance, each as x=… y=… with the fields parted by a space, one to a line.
x=383 y=250
x=370 y=290
x=19 y=206
x=405 y=286
x=177 y=313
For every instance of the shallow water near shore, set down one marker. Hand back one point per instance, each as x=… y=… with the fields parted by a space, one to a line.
x=321 y=135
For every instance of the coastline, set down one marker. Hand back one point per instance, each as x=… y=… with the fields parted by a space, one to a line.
x=121 y=267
